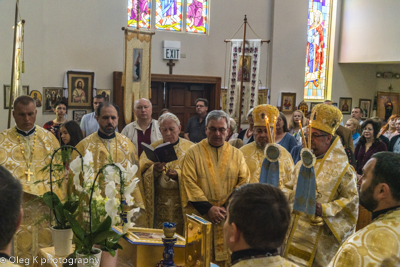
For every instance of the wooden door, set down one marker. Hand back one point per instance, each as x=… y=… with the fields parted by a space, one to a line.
x=157 y=98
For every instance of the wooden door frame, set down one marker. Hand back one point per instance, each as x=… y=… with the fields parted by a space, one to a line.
x=215 y=83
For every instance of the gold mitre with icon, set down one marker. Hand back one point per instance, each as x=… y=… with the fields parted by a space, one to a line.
x=326 y=118
x=260 y=113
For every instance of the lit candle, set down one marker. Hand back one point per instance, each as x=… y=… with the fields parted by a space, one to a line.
x=274 y=133
x=268 y=130
x=309 y=135
x=302 y=135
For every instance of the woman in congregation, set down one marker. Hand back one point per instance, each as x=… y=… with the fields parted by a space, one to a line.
x=294 y=125
x=368 y=145
x=162 y=182
x=394 y=145
x=282 y=135
x=232 y=130
x=247 y=135
x=60 y=109
x=71 y=133
x=354 y=126
x=389 y=130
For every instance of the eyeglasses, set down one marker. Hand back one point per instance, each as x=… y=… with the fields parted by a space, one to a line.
x=213 y=130
x=314 y=136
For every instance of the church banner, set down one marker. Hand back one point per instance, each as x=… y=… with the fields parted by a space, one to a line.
x=250 y=71
x=18 y=61
x=137 y=70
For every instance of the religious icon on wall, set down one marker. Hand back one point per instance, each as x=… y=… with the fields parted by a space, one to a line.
x=245 y=69
x=25 y=91
x=365 y=106
x=345 y=105
x=288 y=102
x=137 y=64
x=37 y=96
x=78 y=114
x=303 y=106
x=80 y=89
x=106 y=93
x=50 y=96
x=388 y=104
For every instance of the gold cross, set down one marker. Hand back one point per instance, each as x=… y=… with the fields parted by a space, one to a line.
x=28 y=173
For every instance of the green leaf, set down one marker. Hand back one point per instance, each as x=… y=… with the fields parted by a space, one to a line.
x=49 y=198
x=71 y=206
x=76 y=228
x=112 y=252
x=103 y=236
x=104 y=226
x=60 y=215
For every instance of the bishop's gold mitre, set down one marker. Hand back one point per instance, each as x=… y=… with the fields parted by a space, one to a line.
x=326 y=118
x=262 y=111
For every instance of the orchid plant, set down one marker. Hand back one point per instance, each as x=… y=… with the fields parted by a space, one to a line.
x=117 y=180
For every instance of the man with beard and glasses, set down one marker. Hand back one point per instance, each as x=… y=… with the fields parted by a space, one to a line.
x=108 y=146
x=378 y=243
x=254 y=152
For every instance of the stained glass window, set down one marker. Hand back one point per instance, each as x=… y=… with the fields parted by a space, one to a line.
x=168 y=15
x=318 y=38
x=197 y=16
x=144 y=13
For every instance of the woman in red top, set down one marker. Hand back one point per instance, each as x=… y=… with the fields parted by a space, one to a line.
x=60 y=108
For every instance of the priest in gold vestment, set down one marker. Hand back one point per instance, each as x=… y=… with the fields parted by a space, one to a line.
x=254 y=152
x=108 y=146
x=211 y=170
x=24 y=150
x=314 y=244
x=378 y=243
x=162 y=182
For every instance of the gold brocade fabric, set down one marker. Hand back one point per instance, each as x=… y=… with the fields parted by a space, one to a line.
x=254 y=157
x=164 y=204
x=211 y=174
x=13 y=160
x=373 y=244
x=30 y=236
x=336 y=182
x=276 y=261
x=122 y=151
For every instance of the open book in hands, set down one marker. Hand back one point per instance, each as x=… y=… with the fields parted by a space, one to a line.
x=162 y=153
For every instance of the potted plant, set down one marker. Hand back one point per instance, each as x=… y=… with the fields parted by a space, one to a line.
x=93 y=231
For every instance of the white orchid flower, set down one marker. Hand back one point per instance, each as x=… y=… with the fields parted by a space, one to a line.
x=129 y=223
x=128 y=191
x=76 y=165
x=130 y=171
x=111 y=208
x=88 y=158
x=111 y=191
x=111 y=174
x=77 y=183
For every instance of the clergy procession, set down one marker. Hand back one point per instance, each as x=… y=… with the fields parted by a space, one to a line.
x=203 y=151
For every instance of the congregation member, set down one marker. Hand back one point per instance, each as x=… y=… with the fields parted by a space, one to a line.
x=247 y=135
x=381 y=137
x=162 y=182
x=11 y=216
x=307 y=243
x=24 y=150
x=163 y=111
x=283 y=137
x=394 y=145
x=60 y=109
x=212 y=169
x=108 y=146
x=294 y=125
x=368 y=145
x=357 y=114
x=255 y=234
x=145 y=129
x=254 y=152
x=389 y=130
x=376 y=244
x=195 y=128
x=89 y=123
x=354 y=126
x=71 y=133
x=232 y=130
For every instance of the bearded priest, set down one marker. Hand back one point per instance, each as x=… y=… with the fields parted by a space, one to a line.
x=162 y=182
x=24 y=150
x=108 y=146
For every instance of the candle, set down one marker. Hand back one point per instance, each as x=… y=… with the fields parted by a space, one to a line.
x=309 y=135
x=268 y=130
x=302 y=135
x=274 y=133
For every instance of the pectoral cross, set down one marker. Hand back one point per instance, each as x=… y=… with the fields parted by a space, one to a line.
x=28 y=174
x=171 y=64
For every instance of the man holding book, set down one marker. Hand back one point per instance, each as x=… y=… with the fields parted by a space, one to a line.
x=162 y=176
x=211 y=171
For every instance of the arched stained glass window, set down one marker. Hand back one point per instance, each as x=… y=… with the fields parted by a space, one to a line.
x=144 y=13
x=197 y=16
x=318 y=40
x=168 y=15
